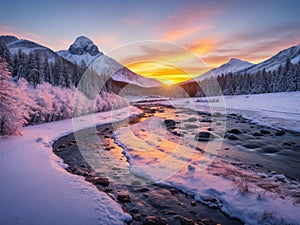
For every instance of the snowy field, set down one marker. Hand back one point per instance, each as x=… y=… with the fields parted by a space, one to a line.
x=36 y=189
x=278 y=110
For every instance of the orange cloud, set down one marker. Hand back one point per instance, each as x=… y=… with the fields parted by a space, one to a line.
x=202 y=46
x=255 y=46
x=178 y=34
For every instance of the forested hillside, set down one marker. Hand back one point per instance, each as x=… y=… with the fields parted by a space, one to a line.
x=284 y=79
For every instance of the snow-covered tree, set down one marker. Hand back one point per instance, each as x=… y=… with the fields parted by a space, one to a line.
x=11 y=107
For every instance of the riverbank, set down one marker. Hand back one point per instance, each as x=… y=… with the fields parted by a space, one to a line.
x=249 y=149
x=35 y=187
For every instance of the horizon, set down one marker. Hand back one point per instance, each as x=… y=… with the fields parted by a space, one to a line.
x=210 y=30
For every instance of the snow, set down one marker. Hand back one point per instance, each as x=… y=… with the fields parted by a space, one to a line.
x=233 y=65
x=28 y=47
x=280 y=58
x=278 y=110
x=154 y=153
x=105 y=65
x=85 y=58
x=82 y=41
x=82 y=52
x=236 y=65
x=110 y=67
x=35 y=188
x=296 y=59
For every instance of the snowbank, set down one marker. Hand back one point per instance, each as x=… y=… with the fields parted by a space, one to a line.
x=278 y=110
x=35 y=189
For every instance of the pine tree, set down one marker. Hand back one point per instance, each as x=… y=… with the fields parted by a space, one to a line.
x=5 y=53
x=38 y=70
x=15 y=66
x=21 y=66
x=45 y=70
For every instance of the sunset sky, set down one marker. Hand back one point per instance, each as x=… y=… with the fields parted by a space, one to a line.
x=154 y=38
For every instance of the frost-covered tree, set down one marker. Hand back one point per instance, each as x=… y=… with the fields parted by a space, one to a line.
x=11 y=107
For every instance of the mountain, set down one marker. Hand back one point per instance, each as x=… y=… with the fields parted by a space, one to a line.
x=82 y=52
x=14 y=45
x=119 y=73
x=233 y=65
x=247 y=78
x=292 y=53
x=236 y=65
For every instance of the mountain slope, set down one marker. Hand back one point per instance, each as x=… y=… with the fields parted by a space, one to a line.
x=110 y=67
x=293 y=53
x=14 y=45
x=82 y=52
x=233 y=65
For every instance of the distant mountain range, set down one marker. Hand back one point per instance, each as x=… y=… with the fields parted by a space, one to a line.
x=83 y=52
x=232 y=66
x=236 y=65
x=14 y=45
x=275 y=61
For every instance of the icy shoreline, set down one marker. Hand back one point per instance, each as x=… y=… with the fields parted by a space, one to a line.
x=277 y=110
x=36 y=189
x=252 y=196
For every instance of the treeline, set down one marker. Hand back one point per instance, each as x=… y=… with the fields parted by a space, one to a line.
x=285 y=78
x=37 y=68
x=22 y=103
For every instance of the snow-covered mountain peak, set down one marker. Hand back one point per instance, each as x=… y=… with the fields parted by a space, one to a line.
x=236 y=64
x=82 y=41
x=82 y=52
x=8 y=39
x=232 y=66
x=234 y=60
x=292 y=53
x=83 y=45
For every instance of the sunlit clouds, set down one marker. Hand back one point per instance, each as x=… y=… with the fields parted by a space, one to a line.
x=166 y=62
x=193 y=36
x=164 y=72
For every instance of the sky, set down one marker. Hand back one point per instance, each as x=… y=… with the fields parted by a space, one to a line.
x=169 y=40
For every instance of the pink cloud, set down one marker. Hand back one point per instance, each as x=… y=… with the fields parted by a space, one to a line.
x=184 y=23
x=106 y=42
x=33 y=36
x=20 y=34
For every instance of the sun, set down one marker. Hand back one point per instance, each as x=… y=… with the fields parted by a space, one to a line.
x=167 y=82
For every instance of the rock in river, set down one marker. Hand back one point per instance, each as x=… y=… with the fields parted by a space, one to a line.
x=204 y=136
x=170 y=124
x=153 y=220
